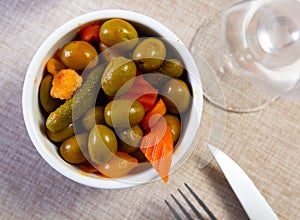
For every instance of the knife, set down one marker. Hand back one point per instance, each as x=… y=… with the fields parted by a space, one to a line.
x=249 y=196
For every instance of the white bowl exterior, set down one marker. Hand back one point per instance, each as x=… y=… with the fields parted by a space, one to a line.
x=34 y=120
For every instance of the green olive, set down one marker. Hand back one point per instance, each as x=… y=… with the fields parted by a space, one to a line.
x=102 y=144
x=130 y=139
x=71 y=151
x=120 y=165
x=94 y=116
x=78 y=55
x=118 y=72
x=48 y=103
x=123 y=113
x=115 y=31
x=171 y=68
x=176 y=96
x=149 y=54
x=174 y=123
x=61 y=135
x=156 y=79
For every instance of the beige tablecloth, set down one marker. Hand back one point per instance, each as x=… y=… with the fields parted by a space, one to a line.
x=265 y=143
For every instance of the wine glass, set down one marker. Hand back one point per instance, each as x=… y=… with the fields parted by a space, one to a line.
x=253 y=48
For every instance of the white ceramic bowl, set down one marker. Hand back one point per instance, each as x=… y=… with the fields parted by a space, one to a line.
x=35 y=121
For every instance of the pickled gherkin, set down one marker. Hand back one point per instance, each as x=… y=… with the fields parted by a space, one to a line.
x=61 y=117
x=82 y=101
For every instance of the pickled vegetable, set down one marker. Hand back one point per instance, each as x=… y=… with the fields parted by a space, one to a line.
x=176 y=96
x=76 y=106
x=94 y=116
x=102 y=144
x=61 y=135
x=123 y=113
x=90 y=33
x=174 y=123
x=48 y=103
x=115 y=31
x=171 y=68
x=54 y=66
x=78 y=55
x=142 y=92
x=120 y=165
x=157 y=145
x=64 y=84
x=149 y=54
x=130 y=139
x=61 y=117
x=116 y=74
x=71 y=151
x=154 y=114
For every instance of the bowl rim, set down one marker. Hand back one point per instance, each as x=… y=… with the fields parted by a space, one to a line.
x=30 y=79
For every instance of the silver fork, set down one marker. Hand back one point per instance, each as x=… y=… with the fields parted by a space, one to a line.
x=197 y=213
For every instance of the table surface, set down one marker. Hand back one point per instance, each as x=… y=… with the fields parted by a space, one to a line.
x=265 y=143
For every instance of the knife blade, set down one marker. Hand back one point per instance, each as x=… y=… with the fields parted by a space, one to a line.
x=249 y=196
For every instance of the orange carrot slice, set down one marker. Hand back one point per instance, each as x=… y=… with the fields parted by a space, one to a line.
x=157 y=146
x=154 y=114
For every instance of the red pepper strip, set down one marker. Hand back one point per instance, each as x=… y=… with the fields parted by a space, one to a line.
x=143 y=92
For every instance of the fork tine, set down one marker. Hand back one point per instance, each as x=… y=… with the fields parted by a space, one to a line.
x=191 y=205
x=182 y=208
x=173 y=211
x=206 y=209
